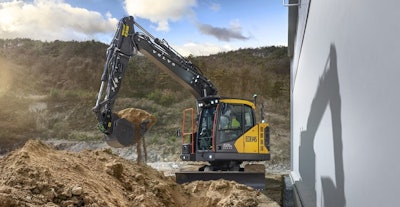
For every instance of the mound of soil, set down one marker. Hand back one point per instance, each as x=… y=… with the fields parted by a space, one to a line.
x=38 y=175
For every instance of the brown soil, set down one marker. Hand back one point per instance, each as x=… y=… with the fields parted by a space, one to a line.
x=38 y=175
x=137 y=117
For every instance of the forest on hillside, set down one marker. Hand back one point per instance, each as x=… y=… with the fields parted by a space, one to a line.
x=76 y=65
x=64 y=76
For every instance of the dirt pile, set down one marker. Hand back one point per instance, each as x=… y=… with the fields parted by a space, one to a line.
x=226 y=193
x=38 y=175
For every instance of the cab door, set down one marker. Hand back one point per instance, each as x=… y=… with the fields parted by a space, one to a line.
x=248 y=141
x=206 y=129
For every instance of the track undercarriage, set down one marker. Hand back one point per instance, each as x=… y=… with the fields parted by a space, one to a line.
x=252 y=175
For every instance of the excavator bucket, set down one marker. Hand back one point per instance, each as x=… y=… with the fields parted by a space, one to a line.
x=123 y=133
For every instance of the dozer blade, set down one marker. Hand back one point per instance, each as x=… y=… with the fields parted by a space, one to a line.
x=255 y=180
x=123 y=133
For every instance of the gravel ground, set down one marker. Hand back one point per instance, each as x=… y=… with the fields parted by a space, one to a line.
x=169 y=165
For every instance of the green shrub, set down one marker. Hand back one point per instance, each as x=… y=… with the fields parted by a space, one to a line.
x=164 y=98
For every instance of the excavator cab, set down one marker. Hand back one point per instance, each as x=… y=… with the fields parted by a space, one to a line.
x=224 y=134
x=225 y=131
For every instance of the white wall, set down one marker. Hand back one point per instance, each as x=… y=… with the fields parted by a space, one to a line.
x=345 y=103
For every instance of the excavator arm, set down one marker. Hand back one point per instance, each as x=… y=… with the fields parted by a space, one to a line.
x=125 y=44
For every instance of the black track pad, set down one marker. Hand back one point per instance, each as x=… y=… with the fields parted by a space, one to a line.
x=123 y=133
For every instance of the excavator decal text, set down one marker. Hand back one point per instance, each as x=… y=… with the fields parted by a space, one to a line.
x=251 y=139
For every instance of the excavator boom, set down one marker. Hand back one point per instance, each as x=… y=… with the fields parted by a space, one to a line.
x=126 y=43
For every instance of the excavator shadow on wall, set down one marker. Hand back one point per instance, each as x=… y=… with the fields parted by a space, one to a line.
x=327 y=95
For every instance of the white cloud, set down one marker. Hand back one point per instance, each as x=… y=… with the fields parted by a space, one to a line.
x=51 y=20
x=160 y=12
x=203 y=49
x=215 y=7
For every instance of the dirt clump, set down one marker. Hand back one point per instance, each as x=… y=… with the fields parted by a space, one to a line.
x=38 y=175
x=138 y=117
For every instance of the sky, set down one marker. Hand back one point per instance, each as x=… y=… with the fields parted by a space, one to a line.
x=196 y=27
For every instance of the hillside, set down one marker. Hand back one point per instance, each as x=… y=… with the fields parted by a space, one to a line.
x=47 y=90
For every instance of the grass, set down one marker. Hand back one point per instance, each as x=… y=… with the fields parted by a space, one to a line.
x=70 y=94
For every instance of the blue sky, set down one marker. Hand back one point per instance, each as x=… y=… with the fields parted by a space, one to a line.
x=198 y=27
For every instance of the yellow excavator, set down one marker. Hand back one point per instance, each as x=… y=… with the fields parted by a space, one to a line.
x=221 y=131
